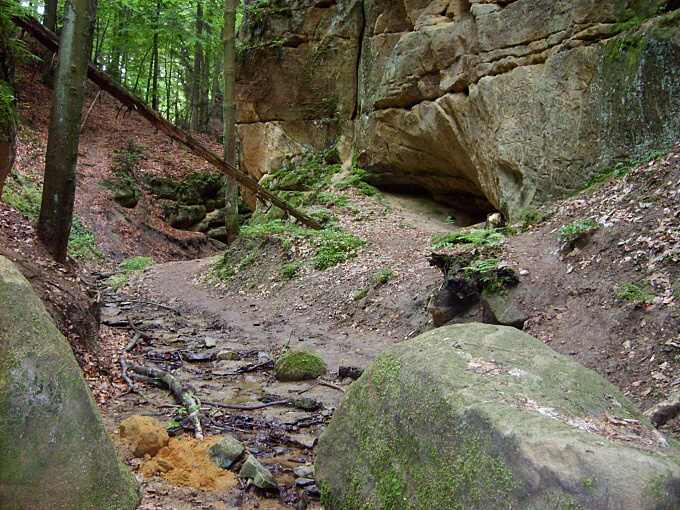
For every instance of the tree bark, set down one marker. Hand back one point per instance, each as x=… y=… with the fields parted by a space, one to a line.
x=229 y=117
x=61 y=158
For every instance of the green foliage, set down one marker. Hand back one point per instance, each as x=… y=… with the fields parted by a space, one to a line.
x=23 y=194
x=529 y=217
x=474 y=236
x=333 y=248
x=382 y=276
x=575 y=231
x=634 y=294
x=136 y=264
x=8 y=115
x=290 y=271
x=356 y=178
x=621 y=168
x=127 y=267
x=361 y=294
x=81 y=241
x=324 y=108
x=491 y=276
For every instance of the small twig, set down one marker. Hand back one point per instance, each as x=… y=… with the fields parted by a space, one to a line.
x=252 y=368
x=89 y=111
x=246 y=408
x=123 y=374
x=331 y=385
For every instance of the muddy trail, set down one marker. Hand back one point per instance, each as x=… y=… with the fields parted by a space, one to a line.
x=220 y=340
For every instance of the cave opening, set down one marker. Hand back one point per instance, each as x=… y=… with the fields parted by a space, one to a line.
x=458 y=209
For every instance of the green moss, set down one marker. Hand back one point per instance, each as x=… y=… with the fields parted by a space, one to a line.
x=404 y=471
x=299 y=364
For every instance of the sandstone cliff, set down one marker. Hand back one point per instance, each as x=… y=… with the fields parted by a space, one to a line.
x=483 y=104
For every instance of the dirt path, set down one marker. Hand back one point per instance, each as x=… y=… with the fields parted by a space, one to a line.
x=255 y=322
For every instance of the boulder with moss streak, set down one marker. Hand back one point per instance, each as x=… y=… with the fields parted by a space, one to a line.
x=477 y=416
x=54 y=449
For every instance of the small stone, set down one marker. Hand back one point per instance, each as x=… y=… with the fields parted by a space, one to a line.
x=259 y=474
x=306 y=440
x=226 y=451
x=210 y=341
x=304 y=482
x=304 y=471
x=228 y=355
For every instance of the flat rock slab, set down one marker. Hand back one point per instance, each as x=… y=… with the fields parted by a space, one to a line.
x=480 y=416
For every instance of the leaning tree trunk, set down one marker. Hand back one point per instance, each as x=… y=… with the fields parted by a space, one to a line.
x=229 y=117
x=61 y=158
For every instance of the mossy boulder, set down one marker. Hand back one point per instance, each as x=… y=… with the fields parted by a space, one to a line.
x=184 y=216
x=299 y=364
x=54 y=449
x=478 y=416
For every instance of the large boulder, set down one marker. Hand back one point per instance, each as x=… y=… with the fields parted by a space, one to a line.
x=484 y=104
x=481 y=416
x=54 y=449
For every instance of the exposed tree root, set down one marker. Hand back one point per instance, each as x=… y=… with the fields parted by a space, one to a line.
x=187 y=398
x=664 y=411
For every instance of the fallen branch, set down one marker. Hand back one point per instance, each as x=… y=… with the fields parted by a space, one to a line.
x=664 y=411
x=252 y=368
x=190 y=402
x=49 y=40
x=331 y=385
x=246 y=408
x=89 y=111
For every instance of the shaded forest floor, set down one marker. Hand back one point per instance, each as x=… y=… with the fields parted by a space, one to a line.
x=575 y=295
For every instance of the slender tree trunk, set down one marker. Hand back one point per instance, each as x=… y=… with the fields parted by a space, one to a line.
x=61 y=158
x=198 y=65
x=50 y=22
x=229 y=117
x=156 y=63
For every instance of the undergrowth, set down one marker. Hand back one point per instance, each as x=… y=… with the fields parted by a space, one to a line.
x=474 y=236
x=25 y=195
x=328 y=248
x=126 y=268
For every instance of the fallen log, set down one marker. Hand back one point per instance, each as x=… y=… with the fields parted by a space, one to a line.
x=105 y=82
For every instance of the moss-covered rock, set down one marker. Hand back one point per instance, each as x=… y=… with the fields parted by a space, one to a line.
x=184 y=216
x=299 y=364
x=54 y=449
x=477 y=416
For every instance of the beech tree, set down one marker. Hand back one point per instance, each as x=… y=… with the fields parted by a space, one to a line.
x=59 y=187
x=229 y=105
